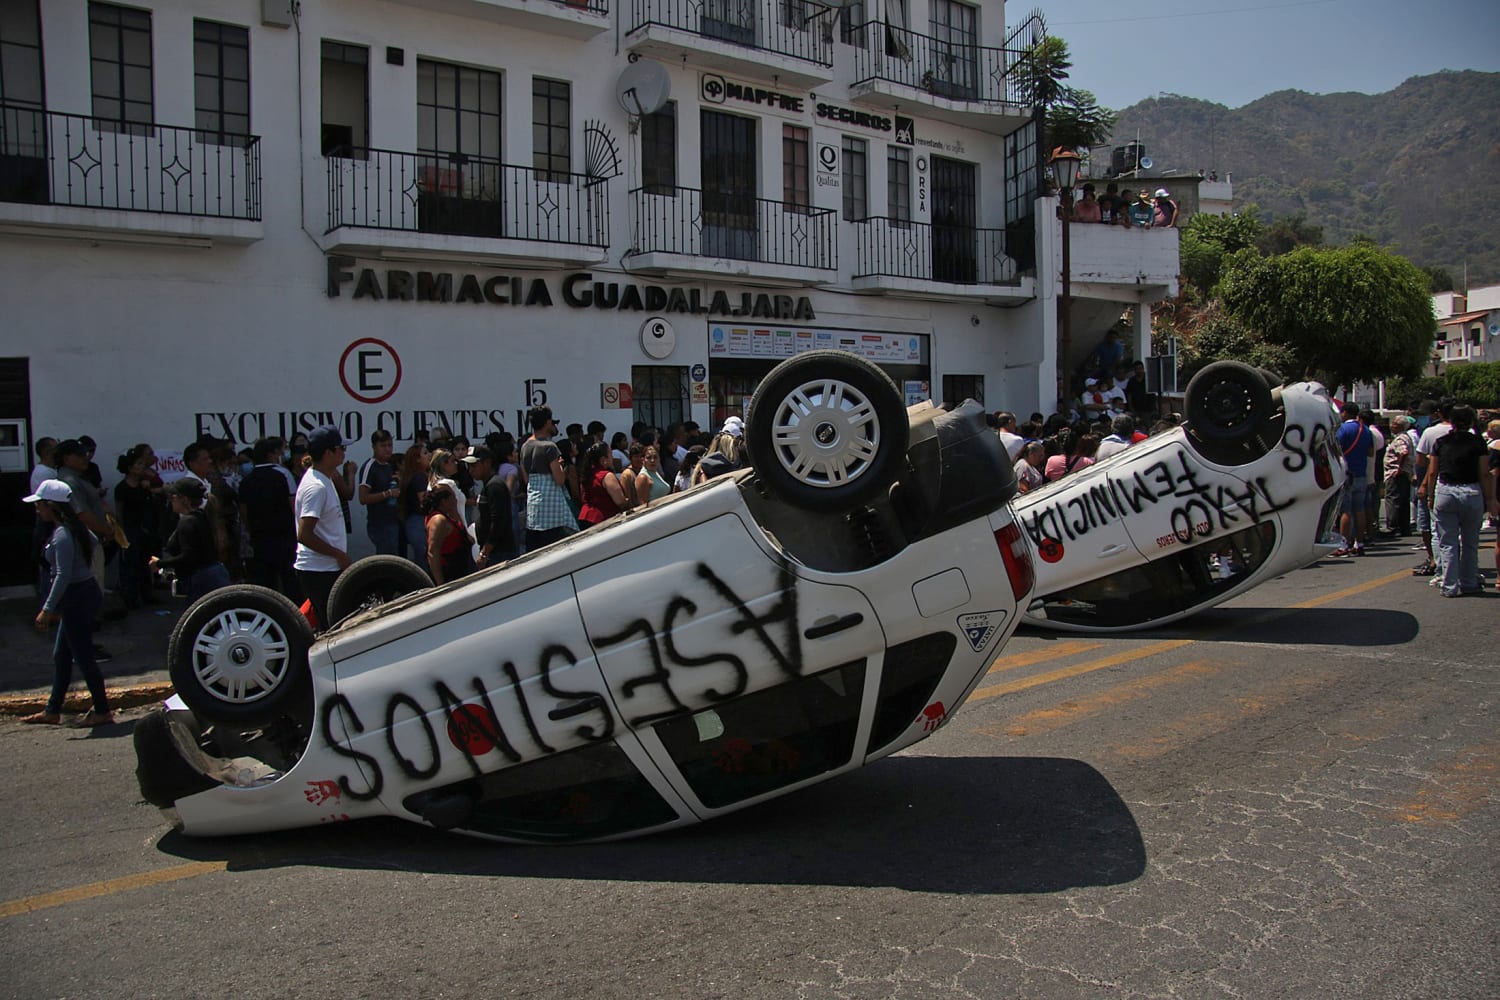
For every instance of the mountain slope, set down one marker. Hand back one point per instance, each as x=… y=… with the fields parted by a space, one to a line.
x=1414 y=168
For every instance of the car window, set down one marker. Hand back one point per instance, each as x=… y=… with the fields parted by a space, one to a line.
x=593 y=791
x=1186 y=578
x=770 y=739
x=908 y=676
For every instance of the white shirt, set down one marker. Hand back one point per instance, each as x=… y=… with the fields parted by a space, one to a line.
x=1112 y=445
x=317 y=497
x=41 y=474
x=1013 y=444
x=1431 y=436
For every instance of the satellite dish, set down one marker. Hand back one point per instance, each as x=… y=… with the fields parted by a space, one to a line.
x=643 y=88
x=1145 y=163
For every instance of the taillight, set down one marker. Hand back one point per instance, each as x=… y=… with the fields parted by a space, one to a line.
x=1322 y=468
x=1017 y=560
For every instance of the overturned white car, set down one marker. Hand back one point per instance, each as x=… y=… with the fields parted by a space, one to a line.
x=767 y=630
x=1247 y=490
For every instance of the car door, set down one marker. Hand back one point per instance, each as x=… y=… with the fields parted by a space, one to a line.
x=740 y=675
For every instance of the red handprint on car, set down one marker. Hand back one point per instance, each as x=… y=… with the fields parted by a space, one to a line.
x=933 y=716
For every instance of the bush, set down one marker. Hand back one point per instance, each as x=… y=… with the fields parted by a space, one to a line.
x=1405 y=393
x=1475 y=383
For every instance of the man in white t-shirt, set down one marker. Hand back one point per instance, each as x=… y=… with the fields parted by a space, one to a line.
x=321 y=544
x=1005 y=426
x=1434 y=432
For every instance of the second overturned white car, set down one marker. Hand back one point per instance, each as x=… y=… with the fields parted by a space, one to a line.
x=1248 y=489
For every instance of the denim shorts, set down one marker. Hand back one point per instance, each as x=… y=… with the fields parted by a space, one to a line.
x=1355 y=488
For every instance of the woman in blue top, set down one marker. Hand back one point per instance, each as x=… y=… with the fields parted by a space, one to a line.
x=73 y=600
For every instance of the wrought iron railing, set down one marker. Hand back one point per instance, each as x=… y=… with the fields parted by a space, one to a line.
x=956 y=255
x=53 y=158
x=592 y=6
x=947 y=68
x=460 y=195
x=797 y=28
x=741 y=227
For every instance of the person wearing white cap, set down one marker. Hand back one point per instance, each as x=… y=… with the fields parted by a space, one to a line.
x=72 y=602
x=1166 y=209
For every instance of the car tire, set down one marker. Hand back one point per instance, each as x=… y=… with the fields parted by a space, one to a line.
x=238 y=656
x=1227 y=401
x=827 y=431
x=372 y=581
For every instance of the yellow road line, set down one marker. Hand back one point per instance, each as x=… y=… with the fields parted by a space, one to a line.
x=1080 y=668
x=33 y=903
x=1050 y=652
x=1144 y=651
x=1045 y=720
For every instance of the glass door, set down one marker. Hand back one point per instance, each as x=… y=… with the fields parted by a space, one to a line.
x=953 y=221
x=728 y=157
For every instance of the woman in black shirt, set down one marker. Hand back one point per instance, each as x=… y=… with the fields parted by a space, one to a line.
x=192 y=552
x=1458 y=479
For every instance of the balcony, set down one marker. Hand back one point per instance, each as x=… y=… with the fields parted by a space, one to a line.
x=683 y=231
x=76 y=176
x=578 y=19
x=1119 y=263
x=974 y=86
x=390 y=204
x=956 y=263
x=785 y=42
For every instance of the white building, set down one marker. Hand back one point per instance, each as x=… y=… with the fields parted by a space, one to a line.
x=250 y=217
x=1468 y=326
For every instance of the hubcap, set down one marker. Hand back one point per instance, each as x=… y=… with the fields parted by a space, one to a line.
x=826 y=433
x=241 y=656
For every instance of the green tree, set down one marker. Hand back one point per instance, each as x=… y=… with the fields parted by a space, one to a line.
x=1404 y=393
x=1045 y=68
x=1475 y=383
x=1219 y=336
x=1439 y=279
x=1345 y=314
x=1286 y=235
x=1208 y=239
x=1076 y=120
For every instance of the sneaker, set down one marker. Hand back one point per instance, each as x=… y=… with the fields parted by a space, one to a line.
x=1425 y=569
x=101 y=655
x=1358 y=549
x=1339 y=553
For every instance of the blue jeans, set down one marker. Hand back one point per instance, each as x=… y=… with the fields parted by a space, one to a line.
x=416 y=539
x=208 y=578
x=386 y=537
x=75 y=642
x=1459 y=512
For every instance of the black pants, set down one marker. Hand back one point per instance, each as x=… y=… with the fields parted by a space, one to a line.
x=1398 y=505
x=317 y=586
x=537 y=539
x=270 y=565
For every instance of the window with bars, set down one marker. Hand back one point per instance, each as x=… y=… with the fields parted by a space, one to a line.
x=551 y=115
x=120 y=68
x=659 y=150
x=345 y=100
x=796 y=190
x=221 y=82
x=957 y=388
x=659 y=394
x=855 y=180
x=898 y=183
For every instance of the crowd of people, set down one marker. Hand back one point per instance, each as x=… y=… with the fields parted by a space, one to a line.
x=278 y=514
x=1142 y=211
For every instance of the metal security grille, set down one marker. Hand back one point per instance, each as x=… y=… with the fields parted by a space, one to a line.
x=660 y=394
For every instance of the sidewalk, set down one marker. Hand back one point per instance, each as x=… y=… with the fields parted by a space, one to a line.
x=136 y=675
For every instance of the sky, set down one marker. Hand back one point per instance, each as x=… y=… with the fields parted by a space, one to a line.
x=1235 y=51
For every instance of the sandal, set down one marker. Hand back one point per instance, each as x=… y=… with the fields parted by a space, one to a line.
x=97 y=719
x=42 y=719
x=1426 y=569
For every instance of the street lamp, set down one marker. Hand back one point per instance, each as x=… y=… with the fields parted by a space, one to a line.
x=1065 y=163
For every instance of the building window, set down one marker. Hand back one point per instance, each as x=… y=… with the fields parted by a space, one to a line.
x=346 y=100
x=855 y=180
x=957 y=388
x=659 y=150
x=898 y=183
x=795 y=14
x=659 y=394
x=795 y=186
x=955 y=41
x=458 y=112
x=221 y=82
x=851 y=23
x=551 y=112
x=120 y=67
x=21 y=55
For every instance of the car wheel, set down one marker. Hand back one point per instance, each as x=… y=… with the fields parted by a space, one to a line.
x=1227 y=401
x=827 y=430
x=374 y=581
x=239 y=656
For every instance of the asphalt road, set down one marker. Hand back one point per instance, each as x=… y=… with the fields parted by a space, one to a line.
x=1291 y=796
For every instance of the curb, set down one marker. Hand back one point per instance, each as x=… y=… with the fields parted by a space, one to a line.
x=132 y=696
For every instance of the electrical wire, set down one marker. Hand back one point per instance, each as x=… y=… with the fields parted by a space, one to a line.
x=1200 y=13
